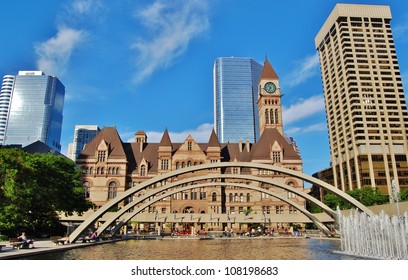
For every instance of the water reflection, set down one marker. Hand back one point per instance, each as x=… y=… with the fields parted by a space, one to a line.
x=216 y=249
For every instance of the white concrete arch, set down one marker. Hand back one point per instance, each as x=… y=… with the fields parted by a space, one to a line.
x=126 y=216
x=219 y=165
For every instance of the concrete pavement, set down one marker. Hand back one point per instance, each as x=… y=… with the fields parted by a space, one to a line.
x=41 y=247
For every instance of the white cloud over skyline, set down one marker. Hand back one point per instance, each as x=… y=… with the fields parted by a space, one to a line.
x=304 y=70
x=171 y=26
x=54 y=54
x=303 y=109
x=307 y=129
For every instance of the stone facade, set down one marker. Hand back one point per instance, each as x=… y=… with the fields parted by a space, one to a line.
x=110 y=166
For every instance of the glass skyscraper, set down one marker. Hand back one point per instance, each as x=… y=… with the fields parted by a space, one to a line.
x=35 y=109
x=83 y=135
x=235 y=99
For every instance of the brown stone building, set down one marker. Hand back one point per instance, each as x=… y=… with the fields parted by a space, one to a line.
x=111 y=166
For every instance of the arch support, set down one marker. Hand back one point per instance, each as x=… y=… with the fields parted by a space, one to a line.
x=213 y=176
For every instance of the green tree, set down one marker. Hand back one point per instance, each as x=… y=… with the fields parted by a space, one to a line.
x=333 y=201
x=369 y=196
x=404 y=194
x=34 y=188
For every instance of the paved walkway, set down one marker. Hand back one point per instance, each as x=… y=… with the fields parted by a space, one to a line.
x=42 y=246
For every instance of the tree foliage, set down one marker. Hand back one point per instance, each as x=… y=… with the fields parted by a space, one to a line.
x=367 y=195
x=34 y=187
x=403 y=195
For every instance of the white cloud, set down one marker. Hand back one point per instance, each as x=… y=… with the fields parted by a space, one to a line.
x=200 y=134
x=82 y=6
x=54 y=54
x=400 y=31
x=171 y=26
x=311 y=128
x=305 y=69
x=303 y=109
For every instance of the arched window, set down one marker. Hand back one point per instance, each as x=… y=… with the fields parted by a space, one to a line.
x=87 y=187
x=91 y=170
x=266 y=116
x=214 y=197
x=231 y=198
x=177 y=165
x=188 y=163
x=117 y=171
x=291 y=194
x=241 y=197
x=272 y=118
x=276 y=116
x=143 y=170
x=248 y=198
x=112 y=190
x=236 y=197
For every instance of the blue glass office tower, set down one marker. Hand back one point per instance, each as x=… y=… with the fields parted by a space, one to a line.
x=35 y=110
x=235 y=99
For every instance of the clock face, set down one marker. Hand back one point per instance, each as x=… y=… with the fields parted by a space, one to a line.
x=270 y=87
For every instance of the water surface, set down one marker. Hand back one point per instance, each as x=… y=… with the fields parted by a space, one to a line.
x=214 y=249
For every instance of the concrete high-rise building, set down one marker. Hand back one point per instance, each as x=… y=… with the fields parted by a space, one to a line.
x=365 y=105
x=235 y=99
x=35 y=108
x=83 y=135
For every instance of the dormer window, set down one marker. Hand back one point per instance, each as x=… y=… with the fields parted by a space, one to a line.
x=276 y=156
x=101 y=156
x=102 y=151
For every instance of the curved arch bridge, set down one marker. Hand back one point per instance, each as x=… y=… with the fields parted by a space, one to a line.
x=161 y=186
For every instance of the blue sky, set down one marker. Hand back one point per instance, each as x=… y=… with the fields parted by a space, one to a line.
x=148 y=65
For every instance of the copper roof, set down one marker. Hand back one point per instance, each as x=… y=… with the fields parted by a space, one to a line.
x=165 y=141
x=262 y=148
x=268 y=73
x=134 y=155
x=111 y=137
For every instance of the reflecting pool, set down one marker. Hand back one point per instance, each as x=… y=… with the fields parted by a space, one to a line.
x=213 y=249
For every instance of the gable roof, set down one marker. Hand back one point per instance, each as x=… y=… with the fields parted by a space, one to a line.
x=262 y=148
x=111 y=137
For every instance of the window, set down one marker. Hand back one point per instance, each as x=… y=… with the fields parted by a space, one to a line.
x=101 y=156
x=189 y=145
x=87 y=187
x=291 y=194
x=214 y=197
x=248 y=199
x=143 y=170
x=194 y=195
x=112 y=190
x=279 y=209
x=266 y=116
x=231 y=198
x=164 y=164
x=276 y=156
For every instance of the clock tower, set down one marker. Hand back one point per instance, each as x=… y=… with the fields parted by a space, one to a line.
x=269 y=99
